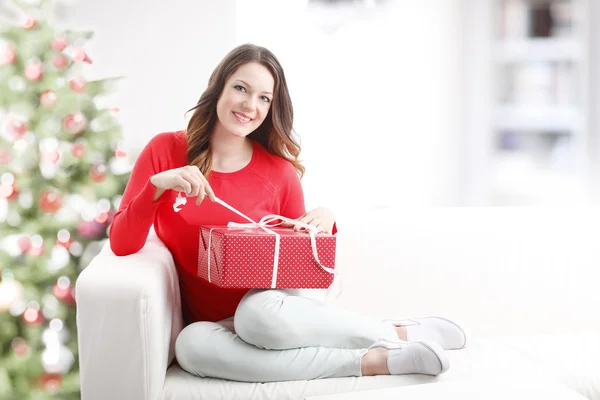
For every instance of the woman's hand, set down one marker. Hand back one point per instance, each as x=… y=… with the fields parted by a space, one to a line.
x=186 y=179
x=320 y=217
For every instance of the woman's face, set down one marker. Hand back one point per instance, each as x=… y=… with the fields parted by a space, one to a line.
x=245 y=99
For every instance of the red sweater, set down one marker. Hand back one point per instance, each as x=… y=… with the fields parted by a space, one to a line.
x=267 y=185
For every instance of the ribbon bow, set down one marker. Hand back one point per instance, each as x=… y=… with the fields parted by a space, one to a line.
x=267 y=222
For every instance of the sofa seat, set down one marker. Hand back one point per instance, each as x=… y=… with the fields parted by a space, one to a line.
x=569 y=358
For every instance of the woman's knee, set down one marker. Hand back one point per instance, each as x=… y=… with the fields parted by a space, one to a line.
x=195 y=346
x=259 y=320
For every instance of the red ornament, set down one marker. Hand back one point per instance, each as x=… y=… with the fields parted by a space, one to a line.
x=50 y=201
x=60 y=62
x=34 y=70
x=59 y=43
x=9 y=191
x=98 y=172
x=78 y=150
x=50 y=157
x=80 y=55
x=24 y=243
x=51 y=382
x=75 y=123
x=17 y=128
x=65 y=244
x=48 y=99
x=36 y=251
x=32 y=317
x=29 y=23
x=77 y=84
x=20 y=346
x=63 y=239
x=4 y=157
x=120 y=153
x=90 y=229
x=101 y=218
x=64 y=294
x=9 y=56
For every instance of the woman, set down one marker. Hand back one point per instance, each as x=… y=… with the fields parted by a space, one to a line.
x=239 y=146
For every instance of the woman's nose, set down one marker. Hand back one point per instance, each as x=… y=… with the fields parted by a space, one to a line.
x=249 y=104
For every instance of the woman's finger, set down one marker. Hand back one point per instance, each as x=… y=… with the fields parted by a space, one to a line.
x=316 y=221
x=203 y=182
x=294 y=223
x=201 y=194
x=207 y=189
x=323 y=228
x=195 y=171
x=286 y=224
x=320 y=228
x=309 y=220
x=180 y=181
x=193 y=181
x=305 y=218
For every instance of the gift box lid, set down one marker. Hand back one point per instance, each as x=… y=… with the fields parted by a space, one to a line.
x=259 y=231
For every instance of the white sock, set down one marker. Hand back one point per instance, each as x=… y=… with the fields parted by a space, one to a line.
x=414 y=358
x=417 y=358
x=434 y=329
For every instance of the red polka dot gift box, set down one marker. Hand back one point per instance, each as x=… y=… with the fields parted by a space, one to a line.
x=260 y=257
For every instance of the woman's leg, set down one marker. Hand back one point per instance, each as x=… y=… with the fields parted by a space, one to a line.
x=274 y=319
x=209 y=349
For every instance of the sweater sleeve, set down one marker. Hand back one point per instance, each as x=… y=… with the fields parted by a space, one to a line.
x=132 y=222
x=291 y=195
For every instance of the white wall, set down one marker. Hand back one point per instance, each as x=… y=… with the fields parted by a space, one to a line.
x=165 y=50
x=376 y=103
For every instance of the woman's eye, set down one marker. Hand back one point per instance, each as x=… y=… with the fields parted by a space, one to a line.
x=266 y=99
x=240 y=88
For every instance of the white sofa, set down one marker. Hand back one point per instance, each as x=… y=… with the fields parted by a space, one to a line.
x=523 y=281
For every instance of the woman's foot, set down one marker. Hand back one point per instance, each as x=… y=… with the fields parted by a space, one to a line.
x=396 y=358
x=442 y=331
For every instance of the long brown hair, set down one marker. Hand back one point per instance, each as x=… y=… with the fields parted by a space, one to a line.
x=275 y=134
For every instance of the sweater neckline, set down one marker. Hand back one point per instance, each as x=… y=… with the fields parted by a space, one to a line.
x=241 y=171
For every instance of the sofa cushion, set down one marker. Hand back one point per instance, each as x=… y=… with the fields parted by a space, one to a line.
x=483 y=358
x=488 y=389
x=569 y=358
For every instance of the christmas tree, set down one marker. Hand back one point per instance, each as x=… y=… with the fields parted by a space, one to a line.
x=62 y=170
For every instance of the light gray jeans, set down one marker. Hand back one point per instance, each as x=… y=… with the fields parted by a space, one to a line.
x=280 y=337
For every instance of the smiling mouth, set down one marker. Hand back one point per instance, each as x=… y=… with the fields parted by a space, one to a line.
x=242 y=118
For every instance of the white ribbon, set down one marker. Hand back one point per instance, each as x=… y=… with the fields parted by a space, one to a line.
x=266 y=222
x=179 y=201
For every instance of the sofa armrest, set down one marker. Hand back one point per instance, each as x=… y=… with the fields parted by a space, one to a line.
x=128 y=318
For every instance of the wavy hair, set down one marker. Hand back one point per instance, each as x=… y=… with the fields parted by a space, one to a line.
x=275 y=134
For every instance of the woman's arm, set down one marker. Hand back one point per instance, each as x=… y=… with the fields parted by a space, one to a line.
x=135 y=216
